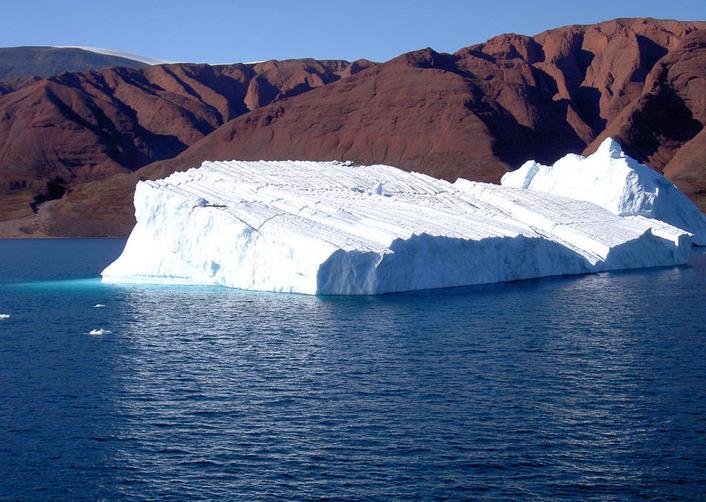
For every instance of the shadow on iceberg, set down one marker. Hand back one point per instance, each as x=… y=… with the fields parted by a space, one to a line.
x=649 y=250
x=429 y=262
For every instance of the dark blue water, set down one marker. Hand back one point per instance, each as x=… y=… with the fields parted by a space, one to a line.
x=578 y=387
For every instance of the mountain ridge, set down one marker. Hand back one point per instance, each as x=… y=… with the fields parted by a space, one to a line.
x=475 y=113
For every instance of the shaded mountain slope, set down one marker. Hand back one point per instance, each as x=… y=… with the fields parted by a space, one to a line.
x=22 y=62
x=664 y=126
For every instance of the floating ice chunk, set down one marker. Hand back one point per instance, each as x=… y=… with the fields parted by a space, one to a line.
x=4 y=316
x=377 y=190
x=616 y=182
x=99 y=306
x=99 y=331
x=302 y=227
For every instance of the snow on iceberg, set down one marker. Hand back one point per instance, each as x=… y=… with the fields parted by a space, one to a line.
x=616 y=182
x=336 y=228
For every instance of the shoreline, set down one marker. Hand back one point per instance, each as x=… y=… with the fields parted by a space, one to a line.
x=55 y=238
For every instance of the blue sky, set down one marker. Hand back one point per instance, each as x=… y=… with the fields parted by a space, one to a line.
x=220 y=31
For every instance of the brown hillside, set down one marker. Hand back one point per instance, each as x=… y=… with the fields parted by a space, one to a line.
x=476 y=113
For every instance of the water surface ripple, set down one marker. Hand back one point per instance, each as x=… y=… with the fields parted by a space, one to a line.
x=575 y=387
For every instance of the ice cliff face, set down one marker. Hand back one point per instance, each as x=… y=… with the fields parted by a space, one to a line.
x=335 y=228
x=616 y=182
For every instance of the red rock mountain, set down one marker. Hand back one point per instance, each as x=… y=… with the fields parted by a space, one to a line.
x=476 y=113
x=59 y=132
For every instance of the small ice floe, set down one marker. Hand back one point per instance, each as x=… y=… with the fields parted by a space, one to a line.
x=99 y=332
x=99 y=306
x=4 y=316
x=377 y=190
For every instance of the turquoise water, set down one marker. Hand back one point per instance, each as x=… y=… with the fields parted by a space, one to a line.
x=577 y=387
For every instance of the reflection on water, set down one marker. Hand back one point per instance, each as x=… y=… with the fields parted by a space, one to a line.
x=552 y=388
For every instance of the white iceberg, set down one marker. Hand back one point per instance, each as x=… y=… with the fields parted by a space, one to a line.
x=616 y=182
x=336 y=228
x=4 y=316
x=99 y=306
x=99 y=332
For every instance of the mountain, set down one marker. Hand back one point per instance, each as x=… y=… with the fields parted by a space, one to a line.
x=485 y=108
x=476 y=113
x=22 y=62
x=59 y=132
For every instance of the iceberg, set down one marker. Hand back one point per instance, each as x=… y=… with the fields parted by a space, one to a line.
x=338 y=228
x=616 y=182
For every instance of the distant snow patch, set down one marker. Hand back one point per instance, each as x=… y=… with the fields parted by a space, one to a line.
x=111 y=52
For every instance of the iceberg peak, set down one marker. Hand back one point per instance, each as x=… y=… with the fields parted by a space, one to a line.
x=615 y=181
x=610 y=148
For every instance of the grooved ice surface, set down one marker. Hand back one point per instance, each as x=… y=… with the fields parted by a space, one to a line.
x=616 y=182
x=337 y=228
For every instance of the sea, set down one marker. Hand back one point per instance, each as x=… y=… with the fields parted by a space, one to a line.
x=585 y=387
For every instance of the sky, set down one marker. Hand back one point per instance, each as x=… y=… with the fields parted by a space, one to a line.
x=221 y=31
